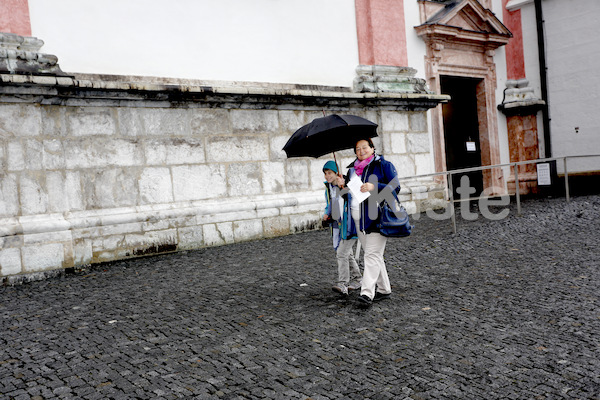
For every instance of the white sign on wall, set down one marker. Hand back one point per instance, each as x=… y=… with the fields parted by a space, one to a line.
x=543 y=174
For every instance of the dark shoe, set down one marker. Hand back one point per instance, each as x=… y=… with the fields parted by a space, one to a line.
x=364 y=300
x=381 y=296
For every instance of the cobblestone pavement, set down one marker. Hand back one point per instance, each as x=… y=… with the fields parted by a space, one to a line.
x=500 y=310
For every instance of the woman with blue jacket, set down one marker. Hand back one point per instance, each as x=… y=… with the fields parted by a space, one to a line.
x=373 y=170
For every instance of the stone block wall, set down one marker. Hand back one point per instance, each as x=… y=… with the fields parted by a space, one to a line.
x=94 y=171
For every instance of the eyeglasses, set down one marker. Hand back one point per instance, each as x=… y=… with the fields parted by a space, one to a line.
x=363 y=148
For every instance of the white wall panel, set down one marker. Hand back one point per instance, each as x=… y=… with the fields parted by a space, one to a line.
x=573 y=56
x=291 y=41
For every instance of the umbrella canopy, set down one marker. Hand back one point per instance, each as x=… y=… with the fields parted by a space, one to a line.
x=328 y=134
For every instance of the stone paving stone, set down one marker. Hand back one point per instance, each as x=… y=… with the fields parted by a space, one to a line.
x=503 y=309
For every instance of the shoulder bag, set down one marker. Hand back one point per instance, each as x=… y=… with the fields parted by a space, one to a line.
x=393 y=219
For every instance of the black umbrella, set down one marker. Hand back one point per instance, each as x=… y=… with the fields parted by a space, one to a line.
x=329 y=134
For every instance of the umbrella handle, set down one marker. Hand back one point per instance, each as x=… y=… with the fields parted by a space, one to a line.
x=337 y=166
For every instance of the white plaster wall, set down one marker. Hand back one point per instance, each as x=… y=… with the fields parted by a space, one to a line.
x=291 y=41
x=530 y=48
x=573 y=56
x=572 y=52
x=416 y=51
x=415 y=46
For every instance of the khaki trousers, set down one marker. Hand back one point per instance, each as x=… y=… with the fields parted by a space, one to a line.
x=375 y=274
x=348 y=269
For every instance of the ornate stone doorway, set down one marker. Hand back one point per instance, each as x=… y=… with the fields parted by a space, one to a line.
x=461 y=129
x=461 y=37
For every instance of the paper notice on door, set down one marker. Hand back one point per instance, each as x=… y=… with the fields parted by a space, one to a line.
x=471 y=146
x=354 y=185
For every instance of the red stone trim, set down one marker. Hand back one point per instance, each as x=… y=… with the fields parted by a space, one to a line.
x=14 y=17
x=515 y=62
x=381 y=32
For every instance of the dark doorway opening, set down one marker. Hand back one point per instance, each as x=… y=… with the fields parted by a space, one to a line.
x=461 y=130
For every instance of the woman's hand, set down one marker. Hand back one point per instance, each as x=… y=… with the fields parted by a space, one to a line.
x=367 y=187
x=340 y=181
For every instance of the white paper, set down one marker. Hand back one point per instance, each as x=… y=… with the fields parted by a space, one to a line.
x=354 y=185
x=471 y=146
x=543 y=174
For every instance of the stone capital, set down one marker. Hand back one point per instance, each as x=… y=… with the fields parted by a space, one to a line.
x=21 y=55
x=520 y=99
x=387 y=78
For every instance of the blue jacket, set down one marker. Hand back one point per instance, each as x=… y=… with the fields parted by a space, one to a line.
x=385 y=173
x=345 y=224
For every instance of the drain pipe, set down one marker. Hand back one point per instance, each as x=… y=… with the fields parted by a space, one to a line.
x=543 y=77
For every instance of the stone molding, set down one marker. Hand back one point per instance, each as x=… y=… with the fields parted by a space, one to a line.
x=210 y=211
x=69 y=89
x=388 y=79
x=520 y=99
x=88 y=219
x=21 y=55
x=513 y=5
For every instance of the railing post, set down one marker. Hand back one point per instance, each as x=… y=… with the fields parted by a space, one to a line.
x=566 y=181
x=517 y=189
x=451 y=197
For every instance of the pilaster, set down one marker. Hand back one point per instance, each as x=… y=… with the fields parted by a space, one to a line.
x=14 y=17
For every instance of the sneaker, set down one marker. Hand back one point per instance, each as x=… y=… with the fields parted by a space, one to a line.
x=354 y=285
x=364 y=300
x=340 y=288
x=381 y=296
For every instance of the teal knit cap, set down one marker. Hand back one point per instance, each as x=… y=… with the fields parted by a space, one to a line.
x=330 y=165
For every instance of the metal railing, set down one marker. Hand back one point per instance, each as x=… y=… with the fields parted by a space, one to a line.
x=448 y=176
